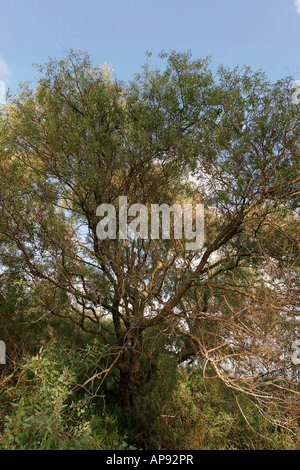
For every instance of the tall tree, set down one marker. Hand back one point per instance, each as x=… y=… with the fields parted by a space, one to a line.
x=81 y=138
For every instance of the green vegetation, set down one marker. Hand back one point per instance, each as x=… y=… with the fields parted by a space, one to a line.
x=139 y=343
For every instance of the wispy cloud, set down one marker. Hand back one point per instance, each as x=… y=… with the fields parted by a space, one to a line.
x=4 y=71
x=2 y=92
x=297 y=5
x=4 y=78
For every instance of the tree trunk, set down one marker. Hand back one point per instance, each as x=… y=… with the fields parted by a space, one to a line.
x=124 y=386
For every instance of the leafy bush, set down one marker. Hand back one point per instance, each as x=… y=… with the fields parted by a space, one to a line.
x=203 y=414
x=42 y=409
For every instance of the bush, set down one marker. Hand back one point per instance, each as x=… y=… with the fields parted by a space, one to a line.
x=203 y=414
x=42 y=409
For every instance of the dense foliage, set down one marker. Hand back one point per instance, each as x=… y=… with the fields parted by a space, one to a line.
x=140 y=343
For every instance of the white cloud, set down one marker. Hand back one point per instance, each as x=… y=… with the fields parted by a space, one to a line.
x=4 y=78
x=4 y=71
x=2 y=92
x=297 y=5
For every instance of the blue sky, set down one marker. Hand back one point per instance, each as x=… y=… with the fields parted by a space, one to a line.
x=262 y=33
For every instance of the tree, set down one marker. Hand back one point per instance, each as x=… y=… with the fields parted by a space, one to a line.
x=81 y=139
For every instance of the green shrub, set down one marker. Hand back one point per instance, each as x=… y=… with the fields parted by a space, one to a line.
x=43 y=413
x=203 y=414
x=44 y=409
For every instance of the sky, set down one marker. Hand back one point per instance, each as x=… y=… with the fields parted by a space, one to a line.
x=264 y=34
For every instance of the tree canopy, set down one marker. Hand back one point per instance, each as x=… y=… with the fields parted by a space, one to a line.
x=183 y=134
